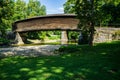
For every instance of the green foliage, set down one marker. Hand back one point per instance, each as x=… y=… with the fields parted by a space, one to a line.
x=99 y=47
x=107 y=11
x=6 y=12
x=84 y=39
x=33 y=35
x=4 y=41
x=5 y=8
x=117 y=32
x=100 y=62
x=116 y=35
x=56 y=32
x=31 y=9
x=69 y=49
x=68 y=7
x=93 y=12
x=54 y=37
x=86 y=13
x=72 y=35
x=34 y=8
x=42 y=35
x=19 y=10
x=12 y=10
x=111 y=13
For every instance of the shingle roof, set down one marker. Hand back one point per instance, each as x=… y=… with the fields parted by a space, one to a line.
x=47 y=16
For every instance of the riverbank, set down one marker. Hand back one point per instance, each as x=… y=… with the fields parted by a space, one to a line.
x=29 y=50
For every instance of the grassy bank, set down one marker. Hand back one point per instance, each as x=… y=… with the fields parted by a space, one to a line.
x=100 y=62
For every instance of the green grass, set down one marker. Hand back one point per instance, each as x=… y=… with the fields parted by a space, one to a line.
x=100 y=62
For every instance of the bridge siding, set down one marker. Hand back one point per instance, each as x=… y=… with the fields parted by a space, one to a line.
x=47 y=23
x=53 y=22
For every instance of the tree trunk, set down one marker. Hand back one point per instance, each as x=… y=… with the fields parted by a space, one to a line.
x=91 y=37
x=92 y=24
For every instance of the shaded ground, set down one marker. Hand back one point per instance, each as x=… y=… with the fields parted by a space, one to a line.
x=101 y=62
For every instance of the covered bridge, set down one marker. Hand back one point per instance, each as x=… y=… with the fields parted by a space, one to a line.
x=63 y=22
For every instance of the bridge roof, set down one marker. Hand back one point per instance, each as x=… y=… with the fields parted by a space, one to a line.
x=48 y=16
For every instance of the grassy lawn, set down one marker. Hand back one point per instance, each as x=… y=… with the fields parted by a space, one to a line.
x=100 y=62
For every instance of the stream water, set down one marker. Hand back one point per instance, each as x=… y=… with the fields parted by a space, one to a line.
x=49 y=43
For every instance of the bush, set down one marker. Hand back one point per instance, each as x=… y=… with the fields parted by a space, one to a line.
x=72 y=35
x=83 y=38
x=4 y=41
x=117 y=32
x=69 y=49
x=54 y=37
x=116 y=35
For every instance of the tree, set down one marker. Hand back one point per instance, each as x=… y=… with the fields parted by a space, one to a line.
x=6 y=12
x=89 y=13
x=12 y=10
x=68 y=6
x=85 y=10
x=19 y=10
x=108 y=11
x=112 y=12
x=34 y=8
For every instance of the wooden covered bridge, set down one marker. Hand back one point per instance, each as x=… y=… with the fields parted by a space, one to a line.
x=63 y=22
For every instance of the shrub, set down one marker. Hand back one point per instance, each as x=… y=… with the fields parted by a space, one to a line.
x=69 y=49
x=117 y=32
x=4 y=41
x=116 y=35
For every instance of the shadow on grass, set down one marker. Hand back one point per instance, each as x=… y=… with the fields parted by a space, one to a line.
x=100 y=62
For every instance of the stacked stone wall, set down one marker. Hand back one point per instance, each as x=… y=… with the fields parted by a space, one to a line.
x=105 y=34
